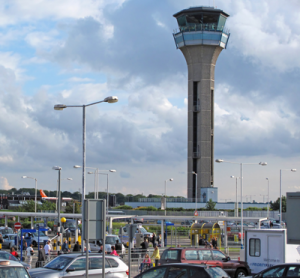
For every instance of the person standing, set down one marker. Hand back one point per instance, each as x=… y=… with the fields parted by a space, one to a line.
x=47 y=249
x=41 y=257
x=154 y=240
x=29 y=254
x=113 y=251
x=118 y=247
x=156 y=256
x=165 y=238
x=76 y=247
x=65 y=247
x=14 y=253
x=201 y=241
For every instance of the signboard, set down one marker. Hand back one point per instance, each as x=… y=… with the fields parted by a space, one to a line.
x=196 y=213
x=292 y=213
x=95 y=219
x=17 y=225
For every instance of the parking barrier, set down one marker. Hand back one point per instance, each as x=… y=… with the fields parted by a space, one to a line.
x=54 y=244
x=69 y=242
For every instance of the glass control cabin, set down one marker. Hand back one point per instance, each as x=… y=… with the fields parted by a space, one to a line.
x=201 y=25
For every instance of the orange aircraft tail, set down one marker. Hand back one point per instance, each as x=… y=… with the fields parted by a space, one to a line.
x=43 y=193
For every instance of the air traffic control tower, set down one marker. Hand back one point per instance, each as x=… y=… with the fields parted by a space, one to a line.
x=201 y=38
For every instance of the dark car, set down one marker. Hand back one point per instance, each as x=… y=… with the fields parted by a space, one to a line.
x=280 y=270
x=183 y=270
x=210 y=257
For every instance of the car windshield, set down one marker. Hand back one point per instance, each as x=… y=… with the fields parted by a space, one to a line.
x=111 y=239
x=143 y=230
x=6 y=231
x=7 y=256
x=216 y=272
x=36 y=234
x=13 y=272
x=59 y=263
x=69 y=225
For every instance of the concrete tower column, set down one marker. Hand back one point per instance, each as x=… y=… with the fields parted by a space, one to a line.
x=201 y=38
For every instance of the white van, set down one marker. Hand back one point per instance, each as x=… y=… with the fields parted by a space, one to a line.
x=123 y=234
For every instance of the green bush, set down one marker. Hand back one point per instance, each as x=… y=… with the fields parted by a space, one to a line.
x=124 y=207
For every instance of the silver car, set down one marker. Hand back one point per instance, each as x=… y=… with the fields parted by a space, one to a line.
x=73 y=265
x=12 y=269
x=9 y=240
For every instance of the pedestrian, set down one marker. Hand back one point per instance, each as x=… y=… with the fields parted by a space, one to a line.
x=24 y=244
x=146 y=263
x=1 y=239
x=41 y=257
x=47 y=249
x=165 y=238
x=201 y=241
x=214 y=242
x=13 y=252
x=154 y=240
x=145 y=246
x=101 y=250
x=156 y=255
x=65 y=247
x=118 y=247
x=76 y=247
x=113 y=251
x=29 y=254
x=159 y=240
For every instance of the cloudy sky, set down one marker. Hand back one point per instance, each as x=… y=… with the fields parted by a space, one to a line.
x=80 y=51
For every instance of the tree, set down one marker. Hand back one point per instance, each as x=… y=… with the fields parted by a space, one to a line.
x=47 y=206
x=210 y=205
x=69 y=207
x=276 y=204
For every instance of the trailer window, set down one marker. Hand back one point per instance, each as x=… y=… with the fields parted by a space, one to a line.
x=254 y=250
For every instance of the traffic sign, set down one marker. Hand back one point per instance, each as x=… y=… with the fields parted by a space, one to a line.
x=18 y=225
x=196 y=213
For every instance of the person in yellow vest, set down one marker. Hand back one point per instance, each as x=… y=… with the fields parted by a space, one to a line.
x=156 y=255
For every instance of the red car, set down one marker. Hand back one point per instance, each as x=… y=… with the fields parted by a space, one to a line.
x=210 y=257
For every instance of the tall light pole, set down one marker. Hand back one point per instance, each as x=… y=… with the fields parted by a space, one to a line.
x=111 y=99
x=280 y=206
x=57 y=168
x=241 y=180
x=236 y=196
x=69 y=179
x=166 y=194
x=107 y=194
x=268 y=207
x=35 y=200
x=194 y=173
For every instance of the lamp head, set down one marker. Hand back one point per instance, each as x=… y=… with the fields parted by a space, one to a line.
x=60 y=106
x=112 y=170
x=194 y=173
x=111 y=99
x=267 y=179
x=24 y=177
x=263 y=163
x=69 y=179
x=76 y=166
x=294 y=170
x=171 y=179
x=56 y=168
x=90 y=172
x=232 y=177
x=219 y=160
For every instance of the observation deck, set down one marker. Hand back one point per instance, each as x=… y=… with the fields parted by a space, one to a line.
x=201 y=26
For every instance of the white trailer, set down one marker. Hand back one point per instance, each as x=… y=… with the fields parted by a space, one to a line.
x=267 y=247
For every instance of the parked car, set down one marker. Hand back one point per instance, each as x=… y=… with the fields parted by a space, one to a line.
x=7 y=256
x=280 y=270
x=138 y=220
x=211 y=257
x=34 y=237
x=8 y=240
x=6 y=230
x=12 y=269
x=73 y=265
x=183 y=270
x=165 y=222
x=109 y=241
x=187 y=223
x=41 y=225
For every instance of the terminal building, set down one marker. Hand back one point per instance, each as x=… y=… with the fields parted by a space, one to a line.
x=201 y=36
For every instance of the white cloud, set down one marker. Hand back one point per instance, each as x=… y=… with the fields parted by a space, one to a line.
x=5 y=185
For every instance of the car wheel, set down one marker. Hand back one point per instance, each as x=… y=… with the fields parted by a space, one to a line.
x=240 y=273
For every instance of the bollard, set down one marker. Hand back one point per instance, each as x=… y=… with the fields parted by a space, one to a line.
x=0 y=246
x=79 y=240
x=69 y=242
x=54 y=244
x=58 y=245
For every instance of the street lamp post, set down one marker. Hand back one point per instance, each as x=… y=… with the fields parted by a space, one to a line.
x=57 y=168
x=69 y=179
x=107 y=194
x=166 y=194
x=280 y=206
x=111 y=99
x=194 y=173
x=268 y=207
x=236 y=196
x=35 y=199
x=241 y=181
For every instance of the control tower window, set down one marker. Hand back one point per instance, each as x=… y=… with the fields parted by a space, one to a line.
x=181 y=21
